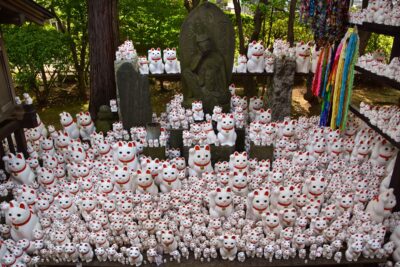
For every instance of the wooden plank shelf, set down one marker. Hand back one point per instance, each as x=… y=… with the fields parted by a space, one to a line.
x=378 y=28
x=255 y=262
x=393 y=83
x=374 y=127
x=177 y=76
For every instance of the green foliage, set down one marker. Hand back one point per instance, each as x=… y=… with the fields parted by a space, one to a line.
x=71 y=18
x=151 y=23
x=279 y=23
x=380 y=41
x=37 y=54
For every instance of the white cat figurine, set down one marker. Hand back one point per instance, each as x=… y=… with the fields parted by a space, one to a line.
x=226 y=130
x=199 y=160
x=303 y=54
x=221 y=202
x=86 y=125
x=241 y=64
x=156 y=65
x=69 y=125
x=18 y=168
x=22 y=220
x=143 y=65
x=171 y=63
x=255 y=55
x=197 y=108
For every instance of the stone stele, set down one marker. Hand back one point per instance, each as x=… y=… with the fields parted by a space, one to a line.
x=133 y=96
x=206 y=47
x=279 y=97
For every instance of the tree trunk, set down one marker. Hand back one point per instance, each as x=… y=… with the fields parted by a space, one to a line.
x=257 y=21
x=238 y=16
x=79 y=61
x=292 y=16
x=103 y=42
x=271 y=23
x=81 y=83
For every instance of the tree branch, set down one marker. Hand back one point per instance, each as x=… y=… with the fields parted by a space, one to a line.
x=292 y=15
x=257 y=21
x=239 y=23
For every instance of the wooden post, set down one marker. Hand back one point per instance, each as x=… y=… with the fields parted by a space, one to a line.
x=103 y=42
x=10 y=144
x=21 y=141
x=395 y=48
x=2 y=154
x=395 y=181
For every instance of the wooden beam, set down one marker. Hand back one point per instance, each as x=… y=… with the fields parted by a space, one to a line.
x=29 y=9
x=395 y=48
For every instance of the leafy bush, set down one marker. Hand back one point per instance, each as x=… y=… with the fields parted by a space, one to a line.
x=151 y=23
x=380 y=41
x=37 y=55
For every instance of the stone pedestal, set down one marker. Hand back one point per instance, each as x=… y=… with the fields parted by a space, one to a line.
x=221 y=153
x=154 y=152
x=133 y=95
x=240 y=140
x=175 y=138
x=279 y=97
x=185 y=153
x=261 y=152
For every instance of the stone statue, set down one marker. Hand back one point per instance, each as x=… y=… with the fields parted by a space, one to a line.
x=207 y=46
x=133 y=95
x=104 y=119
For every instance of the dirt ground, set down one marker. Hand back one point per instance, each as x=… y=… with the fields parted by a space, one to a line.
x=364 y=90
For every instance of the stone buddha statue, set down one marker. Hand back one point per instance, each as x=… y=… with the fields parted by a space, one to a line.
x=206 y=52
x=206 y=75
